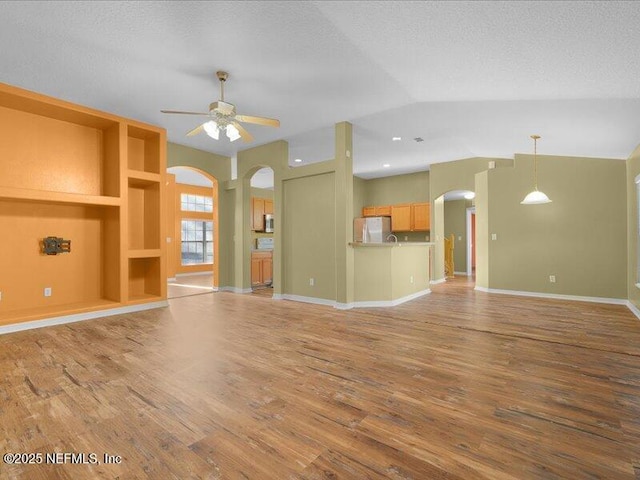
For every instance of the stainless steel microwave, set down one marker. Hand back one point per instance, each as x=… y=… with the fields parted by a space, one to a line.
x=268 y=223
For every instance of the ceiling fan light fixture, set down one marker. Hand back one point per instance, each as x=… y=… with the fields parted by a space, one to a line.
x=211 y=128
x=232 y=133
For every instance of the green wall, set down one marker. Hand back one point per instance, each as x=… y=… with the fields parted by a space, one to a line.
x=460 y=175
x=359 y=186
x=455 y=222
x=581 y=237
x=633 y=235
x=409 y=188
x=309 y=236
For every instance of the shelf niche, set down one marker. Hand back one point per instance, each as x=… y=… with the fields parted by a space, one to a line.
x=144 y=279
x=88 y=275
x=143 y=150
x=48 y=154
x=144 y=221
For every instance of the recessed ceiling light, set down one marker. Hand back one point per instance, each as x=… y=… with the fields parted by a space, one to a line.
x=396 y=139
x=386 y=165
x=298 y=160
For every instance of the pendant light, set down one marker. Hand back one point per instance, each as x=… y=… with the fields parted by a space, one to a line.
x=536 y=196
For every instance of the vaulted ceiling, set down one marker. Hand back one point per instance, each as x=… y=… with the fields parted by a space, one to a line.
x=470 y=78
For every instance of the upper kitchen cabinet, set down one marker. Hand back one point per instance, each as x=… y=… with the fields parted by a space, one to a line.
x=411 y=217
x=378 y=211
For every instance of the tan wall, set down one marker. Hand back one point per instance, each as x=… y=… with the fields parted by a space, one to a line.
x=437 y=237
x=409 y=188
x=581 y=237
x=482 y=228
x=359 y=186
x=410 y=261
x=455 y=222
x=459 y=175
x=384 y=273
x=633 y=237
x=372 y=279
x=309 y=236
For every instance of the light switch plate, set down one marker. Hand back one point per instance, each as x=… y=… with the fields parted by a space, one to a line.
x=494 y=236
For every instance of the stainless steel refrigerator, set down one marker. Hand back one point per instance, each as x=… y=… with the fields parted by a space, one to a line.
x=371 y=229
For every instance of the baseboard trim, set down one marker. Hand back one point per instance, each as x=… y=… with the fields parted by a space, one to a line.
x=194 y=274
x=436 y=282
x=462 y=274
x=172 y=279
x=554 y=296
x=80 y=317
x=235 y=289
x=303 y=299
x=277 y=296
x=635 y=310
x=390 y=303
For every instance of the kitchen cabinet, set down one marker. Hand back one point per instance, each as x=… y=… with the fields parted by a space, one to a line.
x=257 y=214
x=411 y=217
x=378 y=211
x=401 y=218
x=421 y=216
x=259 y=208
x=261 y=268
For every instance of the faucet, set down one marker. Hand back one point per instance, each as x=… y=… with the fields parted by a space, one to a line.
x=395 y=239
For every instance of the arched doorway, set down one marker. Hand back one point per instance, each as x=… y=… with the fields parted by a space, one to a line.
x=262 y=220
x=459 y=234
x=192 y=226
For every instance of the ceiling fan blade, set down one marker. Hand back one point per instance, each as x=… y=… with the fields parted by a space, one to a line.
x=246 y=136
x=269 y=122
x=196 y=130
x=183 y=113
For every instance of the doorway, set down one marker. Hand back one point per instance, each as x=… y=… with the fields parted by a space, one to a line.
x=471 y=241
x=192 y=232
x=262 y=231
x=459 y=234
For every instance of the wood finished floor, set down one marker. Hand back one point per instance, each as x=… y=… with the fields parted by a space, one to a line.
x=455 y=385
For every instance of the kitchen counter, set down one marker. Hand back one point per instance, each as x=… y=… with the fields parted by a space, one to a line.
x=389 y=273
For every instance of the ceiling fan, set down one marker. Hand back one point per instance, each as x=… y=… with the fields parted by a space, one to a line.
x=223 y=116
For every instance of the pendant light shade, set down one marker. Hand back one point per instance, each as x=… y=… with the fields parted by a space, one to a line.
x=535 y=197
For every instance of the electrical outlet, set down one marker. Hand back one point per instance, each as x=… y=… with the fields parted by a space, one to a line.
x=494 y=236
x=459 y=238
x=47 y=292
x=312 y=282
x=411 y=279
x=406 y=238
x=552 y=278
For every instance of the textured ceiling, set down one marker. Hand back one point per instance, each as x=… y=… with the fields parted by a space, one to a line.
x=470 y=78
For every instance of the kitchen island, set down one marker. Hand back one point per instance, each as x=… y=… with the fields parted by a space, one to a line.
x=388 y=274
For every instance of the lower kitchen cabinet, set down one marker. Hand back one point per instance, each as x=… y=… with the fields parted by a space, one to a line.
x=261 y=268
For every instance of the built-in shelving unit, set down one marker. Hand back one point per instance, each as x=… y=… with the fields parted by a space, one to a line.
x=88 y=176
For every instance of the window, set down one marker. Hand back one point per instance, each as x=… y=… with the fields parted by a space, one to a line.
x=195 y=203
x=197 y=242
